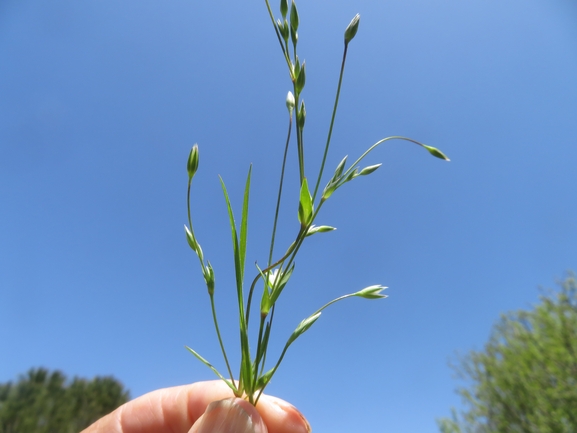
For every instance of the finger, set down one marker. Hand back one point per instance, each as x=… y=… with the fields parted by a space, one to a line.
x=278 y=415
x=281 y=417
x=231 y=415
x=169 y=410
x=175 y=410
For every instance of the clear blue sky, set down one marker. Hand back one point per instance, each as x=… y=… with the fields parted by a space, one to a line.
x=100 y=102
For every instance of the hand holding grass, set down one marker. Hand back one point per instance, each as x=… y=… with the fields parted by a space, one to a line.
x=199 y=408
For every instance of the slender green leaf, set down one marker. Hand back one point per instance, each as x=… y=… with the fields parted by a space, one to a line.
x=209 y=365
x=235 y=246
x=246 y=371
x=245 y=381
x=244 y=224
x=305 y=204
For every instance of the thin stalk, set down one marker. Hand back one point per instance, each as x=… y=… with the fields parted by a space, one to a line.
x=259 y=344
x=249 y=301
x=340 y=298
x=211 y=295
x=300 y=140
x=190 y=222
x=332 y=122
x=220 y=338
x=360 y=158
x=300 y=147
x=280 y=190
x=280 y=40
x=266 y=345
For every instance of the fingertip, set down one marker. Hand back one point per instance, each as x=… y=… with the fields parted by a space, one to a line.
x=281 y=416
x=231 y=415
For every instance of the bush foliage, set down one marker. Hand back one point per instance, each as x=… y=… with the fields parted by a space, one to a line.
x=525 y=379
x=46 y=402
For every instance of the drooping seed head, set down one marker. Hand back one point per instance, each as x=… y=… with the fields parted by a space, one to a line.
x=436 y=152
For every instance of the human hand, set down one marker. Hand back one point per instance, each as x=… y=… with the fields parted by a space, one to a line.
x=202 y=407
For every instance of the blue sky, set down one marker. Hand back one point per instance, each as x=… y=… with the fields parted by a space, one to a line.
x=100 y=102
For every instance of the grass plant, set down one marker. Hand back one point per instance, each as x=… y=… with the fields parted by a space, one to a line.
x=254 y=375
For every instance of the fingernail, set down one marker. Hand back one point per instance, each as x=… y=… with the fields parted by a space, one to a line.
x=232 y=415
x=294 y=418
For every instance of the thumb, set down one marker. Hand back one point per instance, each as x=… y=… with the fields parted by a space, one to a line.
x=232 y=415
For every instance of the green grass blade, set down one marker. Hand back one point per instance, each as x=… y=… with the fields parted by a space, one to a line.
x=209 y=365
x=235 y=245
x=244 y=224
x=246 y=370
x=245 y=379
x=305 y=204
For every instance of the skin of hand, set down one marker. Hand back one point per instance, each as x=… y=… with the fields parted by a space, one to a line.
x=202 y=407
